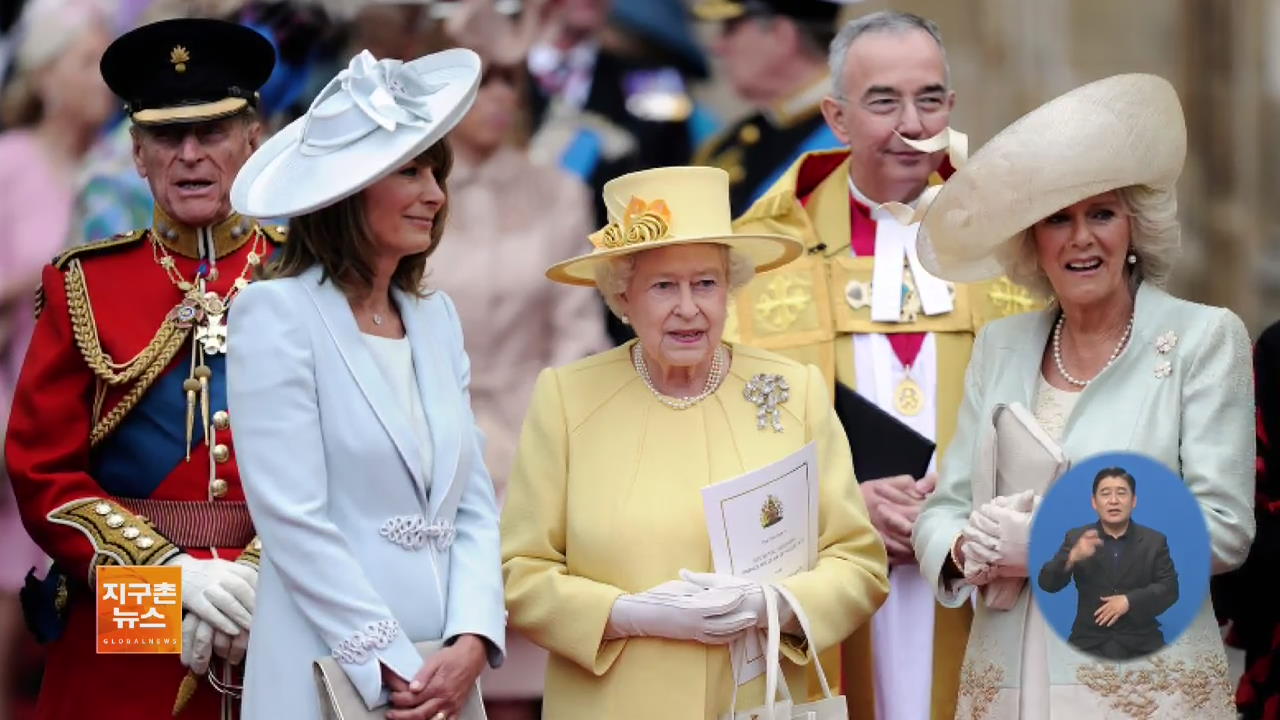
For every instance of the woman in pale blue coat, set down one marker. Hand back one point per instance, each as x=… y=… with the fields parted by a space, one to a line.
x=363 y=469
x=1076 y=200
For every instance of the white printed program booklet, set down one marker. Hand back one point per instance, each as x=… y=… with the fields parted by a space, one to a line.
x=763 y=526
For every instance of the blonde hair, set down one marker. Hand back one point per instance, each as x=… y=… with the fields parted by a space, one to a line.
x=614 y=274
x=44 y=32
x=1154 y=238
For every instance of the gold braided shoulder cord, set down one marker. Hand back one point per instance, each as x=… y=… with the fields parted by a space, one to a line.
x=164 y=355
x=85 y=330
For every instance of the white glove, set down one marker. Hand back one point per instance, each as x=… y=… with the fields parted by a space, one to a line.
x=230 y=647
x=199 y=638
x=681 y=610
x=197 y=643
x=980 y=552
x=219 y=591
x=1008 y=520
x=752 y=599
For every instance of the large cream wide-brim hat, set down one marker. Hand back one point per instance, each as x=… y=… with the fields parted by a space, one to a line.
x=1117 y=132
x=369 y=120
x=667 y=206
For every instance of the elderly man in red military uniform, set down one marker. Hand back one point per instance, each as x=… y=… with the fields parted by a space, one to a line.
x=119 y=445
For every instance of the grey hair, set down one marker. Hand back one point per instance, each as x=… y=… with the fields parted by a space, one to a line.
x=613 y=275
x=883 y=21
x=1154 y=238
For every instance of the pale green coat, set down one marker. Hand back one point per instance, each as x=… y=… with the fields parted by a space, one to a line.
x=1198 y=420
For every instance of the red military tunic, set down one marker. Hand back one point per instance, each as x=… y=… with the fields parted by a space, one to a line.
x=97 y=448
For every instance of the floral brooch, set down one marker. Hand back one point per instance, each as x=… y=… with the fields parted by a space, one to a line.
x=767 y=392
x=1165 y=345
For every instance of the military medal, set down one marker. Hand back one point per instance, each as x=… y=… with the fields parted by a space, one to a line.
x=206 y=312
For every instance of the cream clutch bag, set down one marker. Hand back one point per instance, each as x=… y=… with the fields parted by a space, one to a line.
x=1016 y=454
x=339 y=699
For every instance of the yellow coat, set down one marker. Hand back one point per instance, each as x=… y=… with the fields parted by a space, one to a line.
x=605 y=499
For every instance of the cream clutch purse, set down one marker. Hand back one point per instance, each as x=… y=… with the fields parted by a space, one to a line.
x=1016 y=454
x=339 y=699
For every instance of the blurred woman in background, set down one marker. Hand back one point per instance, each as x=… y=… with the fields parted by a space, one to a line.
x=508 y=219
x=53 y=107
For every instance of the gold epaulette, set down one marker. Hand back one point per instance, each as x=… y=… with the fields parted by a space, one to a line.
x=114 y=241
x=60 y=261
x=277 y=234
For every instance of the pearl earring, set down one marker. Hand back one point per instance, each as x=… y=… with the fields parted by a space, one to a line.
x=1133 y=259
x=625 y=320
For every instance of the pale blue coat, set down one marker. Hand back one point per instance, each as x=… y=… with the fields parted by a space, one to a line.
x=331 y=470
x=1197 y=420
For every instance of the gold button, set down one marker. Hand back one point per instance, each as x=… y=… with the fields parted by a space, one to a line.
x=749 y=134
x=221 y=453
x=221 y=420
x=218 y=487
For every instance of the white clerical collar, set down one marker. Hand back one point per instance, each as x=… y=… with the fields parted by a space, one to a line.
x=861 y=197
x=896 y=243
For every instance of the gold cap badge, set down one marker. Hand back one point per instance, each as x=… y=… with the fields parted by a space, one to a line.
x=179 y=57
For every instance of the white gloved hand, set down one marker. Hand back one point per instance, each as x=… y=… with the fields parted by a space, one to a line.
x=200 y=642
x=681 y=610
x=197 y=643
x=752 y=599
x=219 y=591
x=230 y=647
x=1008 y=520
x=979 y=548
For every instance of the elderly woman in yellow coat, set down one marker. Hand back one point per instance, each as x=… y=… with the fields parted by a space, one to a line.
x=605 y=504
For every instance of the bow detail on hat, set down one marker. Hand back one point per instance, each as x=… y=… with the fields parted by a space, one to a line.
x=367 y=95
x=956 y=144
x=641 y=222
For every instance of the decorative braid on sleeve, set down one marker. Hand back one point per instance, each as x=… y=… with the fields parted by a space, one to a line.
x=357 y=648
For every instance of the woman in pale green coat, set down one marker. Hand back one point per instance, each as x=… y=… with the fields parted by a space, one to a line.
x=1077 y=200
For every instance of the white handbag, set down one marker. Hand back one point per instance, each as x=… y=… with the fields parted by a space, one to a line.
x=830 y=707
x=339 y=699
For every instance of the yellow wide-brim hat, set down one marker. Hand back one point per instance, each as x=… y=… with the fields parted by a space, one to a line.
x=1113 y=133
x=671 y=206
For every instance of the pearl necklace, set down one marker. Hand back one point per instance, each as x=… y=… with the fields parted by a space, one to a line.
x=714 y=378
x=1057 y=352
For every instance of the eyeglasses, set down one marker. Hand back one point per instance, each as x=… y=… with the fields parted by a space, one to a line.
x=889 y=105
